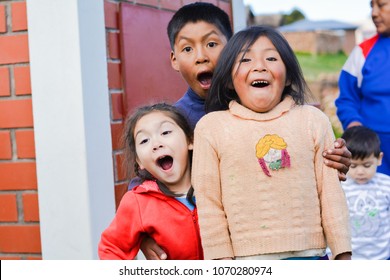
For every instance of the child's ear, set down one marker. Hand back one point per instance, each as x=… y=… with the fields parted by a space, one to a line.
x=380 y=158
x=174 y=64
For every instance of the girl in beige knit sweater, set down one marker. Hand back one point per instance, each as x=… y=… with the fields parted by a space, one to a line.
x=262 y=189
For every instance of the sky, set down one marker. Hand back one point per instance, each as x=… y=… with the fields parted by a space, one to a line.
x=350 y=11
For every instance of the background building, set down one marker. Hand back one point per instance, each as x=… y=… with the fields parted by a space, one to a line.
x=319 y=37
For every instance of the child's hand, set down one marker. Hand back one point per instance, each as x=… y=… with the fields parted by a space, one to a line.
x=151 y=250
x=339 y=158
x=343 y=256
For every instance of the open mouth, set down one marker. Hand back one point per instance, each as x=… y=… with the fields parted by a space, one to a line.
x=165 y=162
x=259 y=83
x=205 y=78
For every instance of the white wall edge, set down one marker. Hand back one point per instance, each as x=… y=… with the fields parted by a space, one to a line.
x=71 y=124
x=239 y=15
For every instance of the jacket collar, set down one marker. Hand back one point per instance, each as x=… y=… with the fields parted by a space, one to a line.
x=194 y=96
x=147 y=186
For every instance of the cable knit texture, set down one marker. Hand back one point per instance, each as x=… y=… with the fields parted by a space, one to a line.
x=243 y=211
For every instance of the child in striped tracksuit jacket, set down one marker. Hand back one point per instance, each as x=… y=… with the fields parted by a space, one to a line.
x=368 y=196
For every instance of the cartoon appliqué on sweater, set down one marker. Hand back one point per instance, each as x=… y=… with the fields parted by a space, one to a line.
x=271 y=150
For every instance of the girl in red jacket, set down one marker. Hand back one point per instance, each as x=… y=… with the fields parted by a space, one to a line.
x=158 y=143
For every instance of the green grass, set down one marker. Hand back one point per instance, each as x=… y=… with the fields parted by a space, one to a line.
x=315 y=65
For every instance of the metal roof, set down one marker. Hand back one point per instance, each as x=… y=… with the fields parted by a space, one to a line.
x=311 y=25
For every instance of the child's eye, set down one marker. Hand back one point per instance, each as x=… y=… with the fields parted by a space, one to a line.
x=381 y=4
x=187 y=49
x=367 y=165
x=167 y=132
x=212 y=44
x=244 y=59
x=143 y=141
x=352 y=166
x=271 y=59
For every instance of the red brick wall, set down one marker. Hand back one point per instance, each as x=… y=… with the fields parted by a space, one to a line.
x=19 y=213
x=320 y=42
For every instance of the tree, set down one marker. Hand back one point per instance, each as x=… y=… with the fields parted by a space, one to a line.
x=294 y=16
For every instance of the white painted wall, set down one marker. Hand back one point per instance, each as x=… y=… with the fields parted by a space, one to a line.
x=239 y=15
x=71 y=124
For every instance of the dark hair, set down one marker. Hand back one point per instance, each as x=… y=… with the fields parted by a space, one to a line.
x=222 y=91
x=195 y=12
x=129 y=142
x=362 y=142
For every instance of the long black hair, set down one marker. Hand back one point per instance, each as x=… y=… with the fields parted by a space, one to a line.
x=222 y=90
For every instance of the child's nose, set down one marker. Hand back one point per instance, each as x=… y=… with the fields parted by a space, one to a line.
x=360 y=170
x=157 y=146
x=202 y=56
x=260 y=67
x=374 y=10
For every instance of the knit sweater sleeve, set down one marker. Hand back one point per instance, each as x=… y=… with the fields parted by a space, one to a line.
x=334 y=209
x=206 y=181
x=122 y=239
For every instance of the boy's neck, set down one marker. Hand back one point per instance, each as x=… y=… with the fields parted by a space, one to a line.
x=190 y=90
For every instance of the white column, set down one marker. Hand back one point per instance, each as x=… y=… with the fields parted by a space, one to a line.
x=72 y=125
x=239 y=15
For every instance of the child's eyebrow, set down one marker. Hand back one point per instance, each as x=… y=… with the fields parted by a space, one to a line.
x=212 y=32
x=244 y=50
x=138 y=132
x=158 y=127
